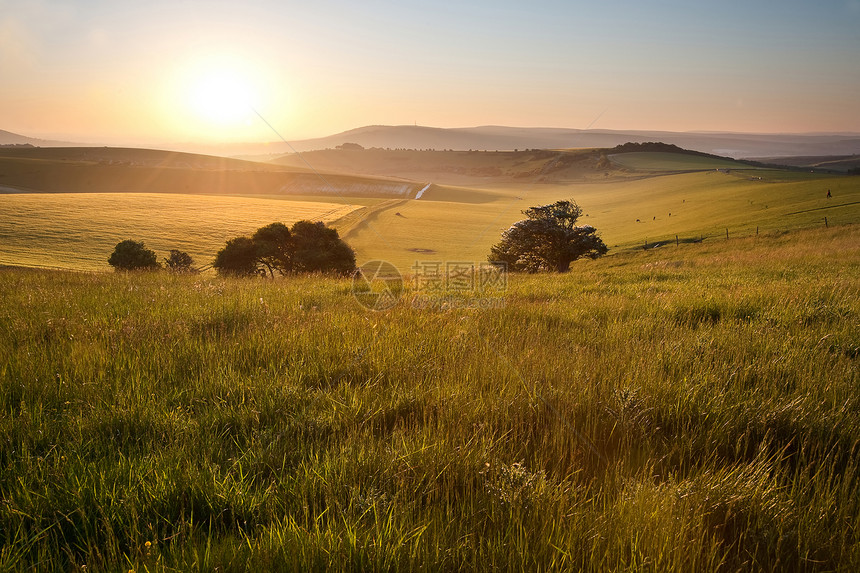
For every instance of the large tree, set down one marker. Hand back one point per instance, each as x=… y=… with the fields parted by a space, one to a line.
x=237 y=258
x=274 y=248
x=317 y=248
x=304 y=248
x=131 y=255
x=548 y=240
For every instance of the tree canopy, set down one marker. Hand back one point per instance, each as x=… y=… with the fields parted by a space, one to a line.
x=548 y=240
x=237 y=258
x=131 y=255
x=305 y=247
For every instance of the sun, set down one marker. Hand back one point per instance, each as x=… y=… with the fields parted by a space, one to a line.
x=215 y=95
x=222 y=96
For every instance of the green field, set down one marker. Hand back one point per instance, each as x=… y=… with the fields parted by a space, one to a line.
x=690 y=408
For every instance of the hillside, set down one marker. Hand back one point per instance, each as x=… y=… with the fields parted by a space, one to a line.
x=119 y=170
x=9 y=138
x=461 y=167
x=836 y=163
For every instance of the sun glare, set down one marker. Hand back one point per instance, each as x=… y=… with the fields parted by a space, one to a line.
x=222 y=96
x=215 y=96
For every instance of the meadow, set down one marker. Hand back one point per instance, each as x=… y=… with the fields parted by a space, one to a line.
x=686 y=408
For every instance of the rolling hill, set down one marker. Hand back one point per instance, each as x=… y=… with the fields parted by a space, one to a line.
x=502 y=138
x=119 y=170
x=449 y=206
x=736 y=145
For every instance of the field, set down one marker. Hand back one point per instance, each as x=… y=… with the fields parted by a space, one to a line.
x=472 y=198
x=628 y=213
x=80 y=230
x=650 y=161
x=689 y=408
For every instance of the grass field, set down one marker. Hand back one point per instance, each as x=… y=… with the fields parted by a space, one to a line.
x=691 y=408
x=80 y=230
x=690 y=205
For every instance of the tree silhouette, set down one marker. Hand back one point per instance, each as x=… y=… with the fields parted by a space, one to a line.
x=306 y=247
x=237 y=258
x=317 y=248
x=549 y=240
x=274 y=248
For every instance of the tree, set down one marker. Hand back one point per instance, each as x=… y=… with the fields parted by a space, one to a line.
x=317 y=248
x=549 y=240
x=179 y=262
x=131 y=255
x=305 y=248
x=237 y=258
x=274 y=248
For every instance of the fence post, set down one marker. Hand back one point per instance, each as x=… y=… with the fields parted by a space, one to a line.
x=825 y=222
x=756 y=231
x=727 y=233
x=676 y=240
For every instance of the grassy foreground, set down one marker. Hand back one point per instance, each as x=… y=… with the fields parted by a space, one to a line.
x=691 y=408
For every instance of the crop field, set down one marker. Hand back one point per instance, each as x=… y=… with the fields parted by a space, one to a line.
x=80 y=230
x=689 y=408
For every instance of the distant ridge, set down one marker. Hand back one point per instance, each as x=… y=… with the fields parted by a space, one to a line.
x=9 y=138
x=490 y=138
x=501 y=138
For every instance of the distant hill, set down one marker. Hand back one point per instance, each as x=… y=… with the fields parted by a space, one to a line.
x=522 y=166
x=9 y=138
x=124 y=170
x=735 y=145
x=836 y=163
x=500 y=138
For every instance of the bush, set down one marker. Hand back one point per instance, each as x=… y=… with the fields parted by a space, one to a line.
x=179 y=262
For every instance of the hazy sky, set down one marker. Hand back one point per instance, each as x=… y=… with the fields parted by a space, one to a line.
x=187 y=70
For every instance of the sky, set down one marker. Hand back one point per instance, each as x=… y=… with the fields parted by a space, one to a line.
x=211 y=72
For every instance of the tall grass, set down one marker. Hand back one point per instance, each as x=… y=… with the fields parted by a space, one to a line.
x=690 y=408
